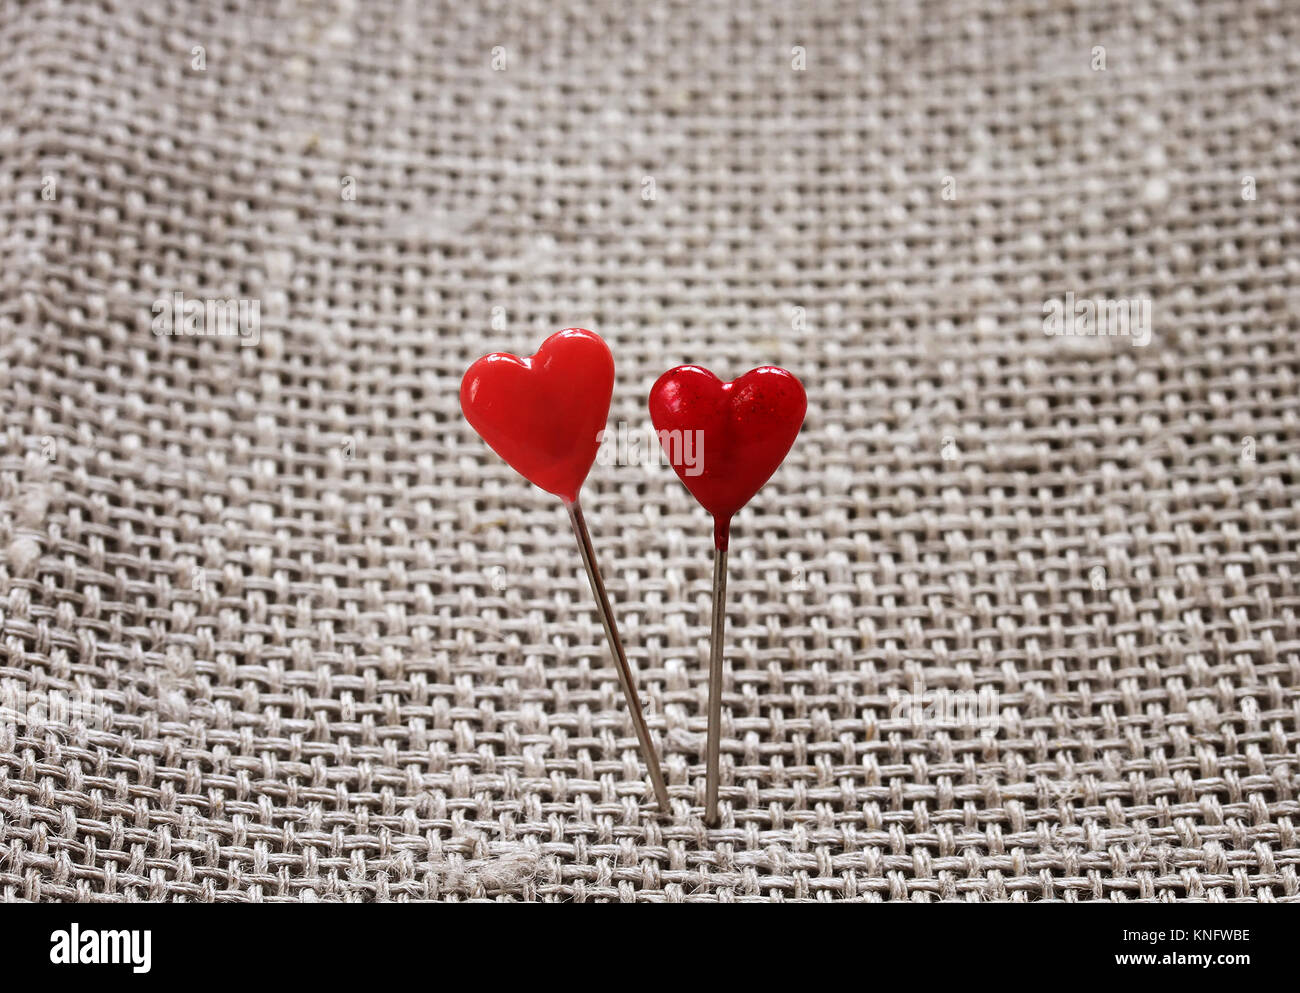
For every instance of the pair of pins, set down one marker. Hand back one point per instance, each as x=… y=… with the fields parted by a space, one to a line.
x=544 y=415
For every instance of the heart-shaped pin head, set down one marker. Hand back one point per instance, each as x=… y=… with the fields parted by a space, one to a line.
x=544 y=414
x=725 y=440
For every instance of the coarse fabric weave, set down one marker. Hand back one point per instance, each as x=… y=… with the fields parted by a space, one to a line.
x=1016 y=620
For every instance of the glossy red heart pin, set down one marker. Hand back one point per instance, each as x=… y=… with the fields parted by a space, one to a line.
x=724 y=440
x=544 y=415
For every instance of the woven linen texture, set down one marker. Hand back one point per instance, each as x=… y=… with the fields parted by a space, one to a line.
x=1016 y=620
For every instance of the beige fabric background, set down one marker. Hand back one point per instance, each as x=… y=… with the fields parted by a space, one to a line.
x=277 y=626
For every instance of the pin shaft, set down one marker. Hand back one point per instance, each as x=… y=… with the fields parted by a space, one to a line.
x=714 y=745
x=620 y=657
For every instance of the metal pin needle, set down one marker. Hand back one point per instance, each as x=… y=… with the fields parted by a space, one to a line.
x=616 y=645
x=712 y=755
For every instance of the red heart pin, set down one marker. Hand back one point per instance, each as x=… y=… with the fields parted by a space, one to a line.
x=544 y=414
x=726 y=439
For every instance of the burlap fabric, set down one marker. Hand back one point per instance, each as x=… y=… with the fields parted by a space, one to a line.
x=1015 y=621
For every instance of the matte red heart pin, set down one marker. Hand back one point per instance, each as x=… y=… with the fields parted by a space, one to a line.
x=724 y=440
x=544 y=415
